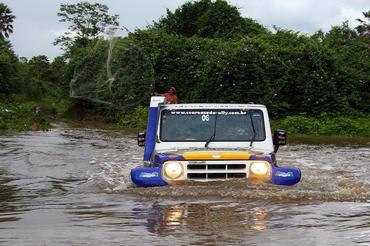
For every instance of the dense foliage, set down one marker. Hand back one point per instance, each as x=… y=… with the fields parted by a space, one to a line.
x=8 y=69
x=324 y=125
x=6 y=21
x=210 y=53
x=120 y=79
x=288 y=72
x=209 y=19
x=26 y=116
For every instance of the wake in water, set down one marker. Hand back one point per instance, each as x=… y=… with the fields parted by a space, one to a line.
x=329 y=173
x=112 y=176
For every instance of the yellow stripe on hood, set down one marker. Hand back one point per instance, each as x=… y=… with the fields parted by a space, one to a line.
x=216 y=155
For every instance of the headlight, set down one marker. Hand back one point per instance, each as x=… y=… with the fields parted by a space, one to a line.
x=260 y=168
x=173 y=170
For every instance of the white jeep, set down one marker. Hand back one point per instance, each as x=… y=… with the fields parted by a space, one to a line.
x=205 y=142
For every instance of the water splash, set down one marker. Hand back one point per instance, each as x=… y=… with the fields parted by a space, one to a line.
x=329 y=174
x=112 y=169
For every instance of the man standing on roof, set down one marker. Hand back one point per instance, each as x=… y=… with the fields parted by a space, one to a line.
x=171 y=97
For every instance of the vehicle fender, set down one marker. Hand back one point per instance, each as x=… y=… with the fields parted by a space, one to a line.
x=147 y=176
x=285 y=175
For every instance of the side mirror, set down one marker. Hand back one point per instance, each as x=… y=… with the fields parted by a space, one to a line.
x=279 y=139
x=141 y=139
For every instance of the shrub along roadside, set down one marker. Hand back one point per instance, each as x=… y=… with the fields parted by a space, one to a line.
x=325 y=126
x=30 y=115
x=136 y=119
x=88 y=114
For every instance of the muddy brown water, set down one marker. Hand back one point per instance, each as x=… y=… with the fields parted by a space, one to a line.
x=72 y=187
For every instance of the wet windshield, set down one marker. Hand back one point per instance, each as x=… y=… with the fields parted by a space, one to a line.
x=200 y=125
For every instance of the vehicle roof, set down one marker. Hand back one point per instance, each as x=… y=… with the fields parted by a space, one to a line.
x=211 y=106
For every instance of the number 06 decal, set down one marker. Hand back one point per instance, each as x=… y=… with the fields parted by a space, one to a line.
x=205 y=117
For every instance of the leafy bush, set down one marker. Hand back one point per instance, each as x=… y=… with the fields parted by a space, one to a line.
x=26 y=116
x=324 y=125
x=208 y=19
x=135 y=119
x=121 y=79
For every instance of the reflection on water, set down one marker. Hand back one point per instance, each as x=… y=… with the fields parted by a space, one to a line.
x=203 y=223
x=72 y=186
x=8 y=211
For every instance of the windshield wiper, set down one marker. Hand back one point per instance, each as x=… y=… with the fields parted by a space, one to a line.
x=214 y=133
x=254 y=130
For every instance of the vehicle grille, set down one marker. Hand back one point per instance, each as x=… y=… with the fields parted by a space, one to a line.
x=216 y=170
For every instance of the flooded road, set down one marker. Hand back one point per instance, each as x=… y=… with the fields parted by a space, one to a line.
x=72 y=187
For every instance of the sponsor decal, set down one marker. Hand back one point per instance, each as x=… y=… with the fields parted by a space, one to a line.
x=197 y=162
x=205 y=113
x=216 y=156
x=284 y=174
x=149 y=175
x=156 y=100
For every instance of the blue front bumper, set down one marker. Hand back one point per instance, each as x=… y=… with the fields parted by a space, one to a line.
x=152 y=176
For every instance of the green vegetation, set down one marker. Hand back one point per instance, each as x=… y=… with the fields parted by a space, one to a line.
x=209 y=19
x=312 y=84
x=135 y=119
x=325 y=126
x=30 y=115
x=88 y=21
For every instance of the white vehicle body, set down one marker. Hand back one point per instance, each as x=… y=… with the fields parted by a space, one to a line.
x=265 y=146
x=206 y=142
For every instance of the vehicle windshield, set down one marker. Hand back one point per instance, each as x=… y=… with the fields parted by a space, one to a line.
x=199 y=125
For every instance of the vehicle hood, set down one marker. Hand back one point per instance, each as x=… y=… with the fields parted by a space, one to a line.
x=191 y=155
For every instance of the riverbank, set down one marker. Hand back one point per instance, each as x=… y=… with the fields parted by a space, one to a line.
x=31 y=116
x=16 y=117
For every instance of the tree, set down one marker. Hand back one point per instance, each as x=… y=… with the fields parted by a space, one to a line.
x=209 y=19
x=6 y=20
x=87 y=21
x=364 y=28
x=39 y=62
x=8 y=69
x=39 y=67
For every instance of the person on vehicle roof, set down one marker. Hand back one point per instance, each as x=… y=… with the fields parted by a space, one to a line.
x=160 y=88
x=171 y=97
